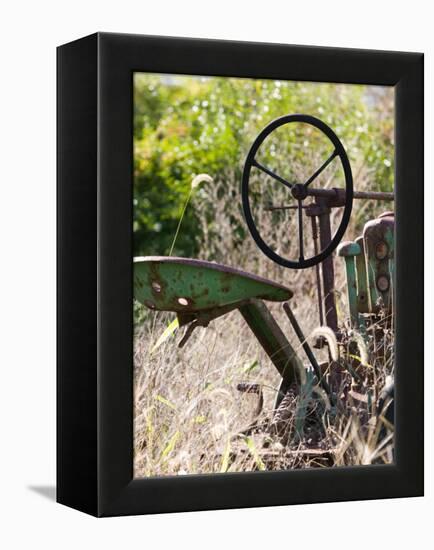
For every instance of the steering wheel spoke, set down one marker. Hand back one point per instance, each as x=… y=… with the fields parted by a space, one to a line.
x=321 y=168
x=300 y=231
x=272 y=174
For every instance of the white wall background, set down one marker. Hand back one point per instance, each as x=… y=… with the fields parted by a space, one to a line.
x=30 y=31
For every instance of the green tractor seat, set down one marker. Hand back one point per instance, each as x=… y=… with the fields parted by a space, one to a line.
x=199 y=291
x=184 y=285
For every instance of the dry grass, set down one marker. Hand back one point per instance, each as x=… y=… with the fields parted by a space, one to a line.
x=189 y=416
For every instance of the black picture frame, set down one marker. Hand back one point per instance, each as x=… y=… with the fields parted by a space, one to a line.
x=95 y=332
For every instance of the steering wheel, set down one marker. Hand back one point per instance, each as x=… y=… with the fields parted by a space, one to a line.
x=299 y=191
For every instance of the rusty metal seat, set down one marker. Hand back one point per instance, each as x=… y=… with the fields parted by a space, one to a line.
x=184 y=285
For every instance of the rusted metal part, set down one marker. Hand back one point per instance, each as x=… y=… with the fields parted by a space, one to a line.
x=249 y=387
x=255 y=388
x=184 y=285
x=349 y=250
x=317 y=270
x=336 y=197
x=378 y=236
x=328 y=273
x=320 y=209
x=270 y=207
x=360 y=299
x=369 y=265
x=188 y=333
x=315 y=209
x=362 y=281
x=376 y=196
x=361 y=294
x=272 y=339
x=200 y=319
x=204 y=317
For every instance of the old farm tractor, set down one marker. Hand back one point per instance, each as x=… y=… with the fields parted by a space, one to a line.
x=200 y=291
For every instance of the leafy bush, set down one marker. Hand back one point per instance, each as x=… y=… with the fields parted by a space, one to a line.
x=186 y=125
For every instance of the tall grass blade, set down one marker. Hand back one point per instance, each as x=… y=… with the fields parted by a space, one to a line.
x=166 y=402
x=170 y=445
x=253 y=451
x=225 y=459
x=170 y=329
x=195 y=183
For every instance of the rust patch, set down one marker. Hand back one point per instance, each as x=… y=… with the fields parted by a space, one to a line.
x=381 y=250
x=156 y=287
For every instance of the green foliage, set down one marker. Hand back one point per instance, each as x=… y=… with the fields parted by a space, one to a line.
x=184 y=126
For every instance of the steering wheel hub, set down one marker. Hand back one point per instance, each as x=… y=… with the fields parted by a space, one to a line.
x=299 y=191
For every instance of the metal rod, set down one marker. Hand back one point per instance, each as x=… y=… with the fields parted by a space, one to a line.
x=331 y=193
x=328 y=273
x=271 y=173
x=292 y=207
x=321 y=168
x=306 y=348
x=317 y=271
x=374 y=195
x=272 y=339
x=300 y=231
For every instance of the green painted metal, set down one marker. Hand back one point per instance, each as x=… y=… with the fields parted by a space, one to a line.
x=362 y=280
x=370 y=262
x=200 y=291
x=270 y=336
x=349 y=250
x=378 y=236
x=183 y=285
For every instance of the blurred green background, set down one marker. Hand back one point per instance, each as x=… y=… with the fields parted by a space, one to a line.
x=187 y=125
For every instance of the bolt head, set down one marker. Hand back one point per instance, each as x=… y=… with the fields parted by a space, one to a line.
x=383 y=283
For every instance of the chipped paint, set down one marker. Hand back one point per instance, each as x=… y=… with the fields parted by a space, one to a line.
x=181 y=284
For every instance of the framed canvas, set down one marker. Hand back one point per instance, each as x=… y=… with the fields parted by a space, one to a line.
x=240 y=274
